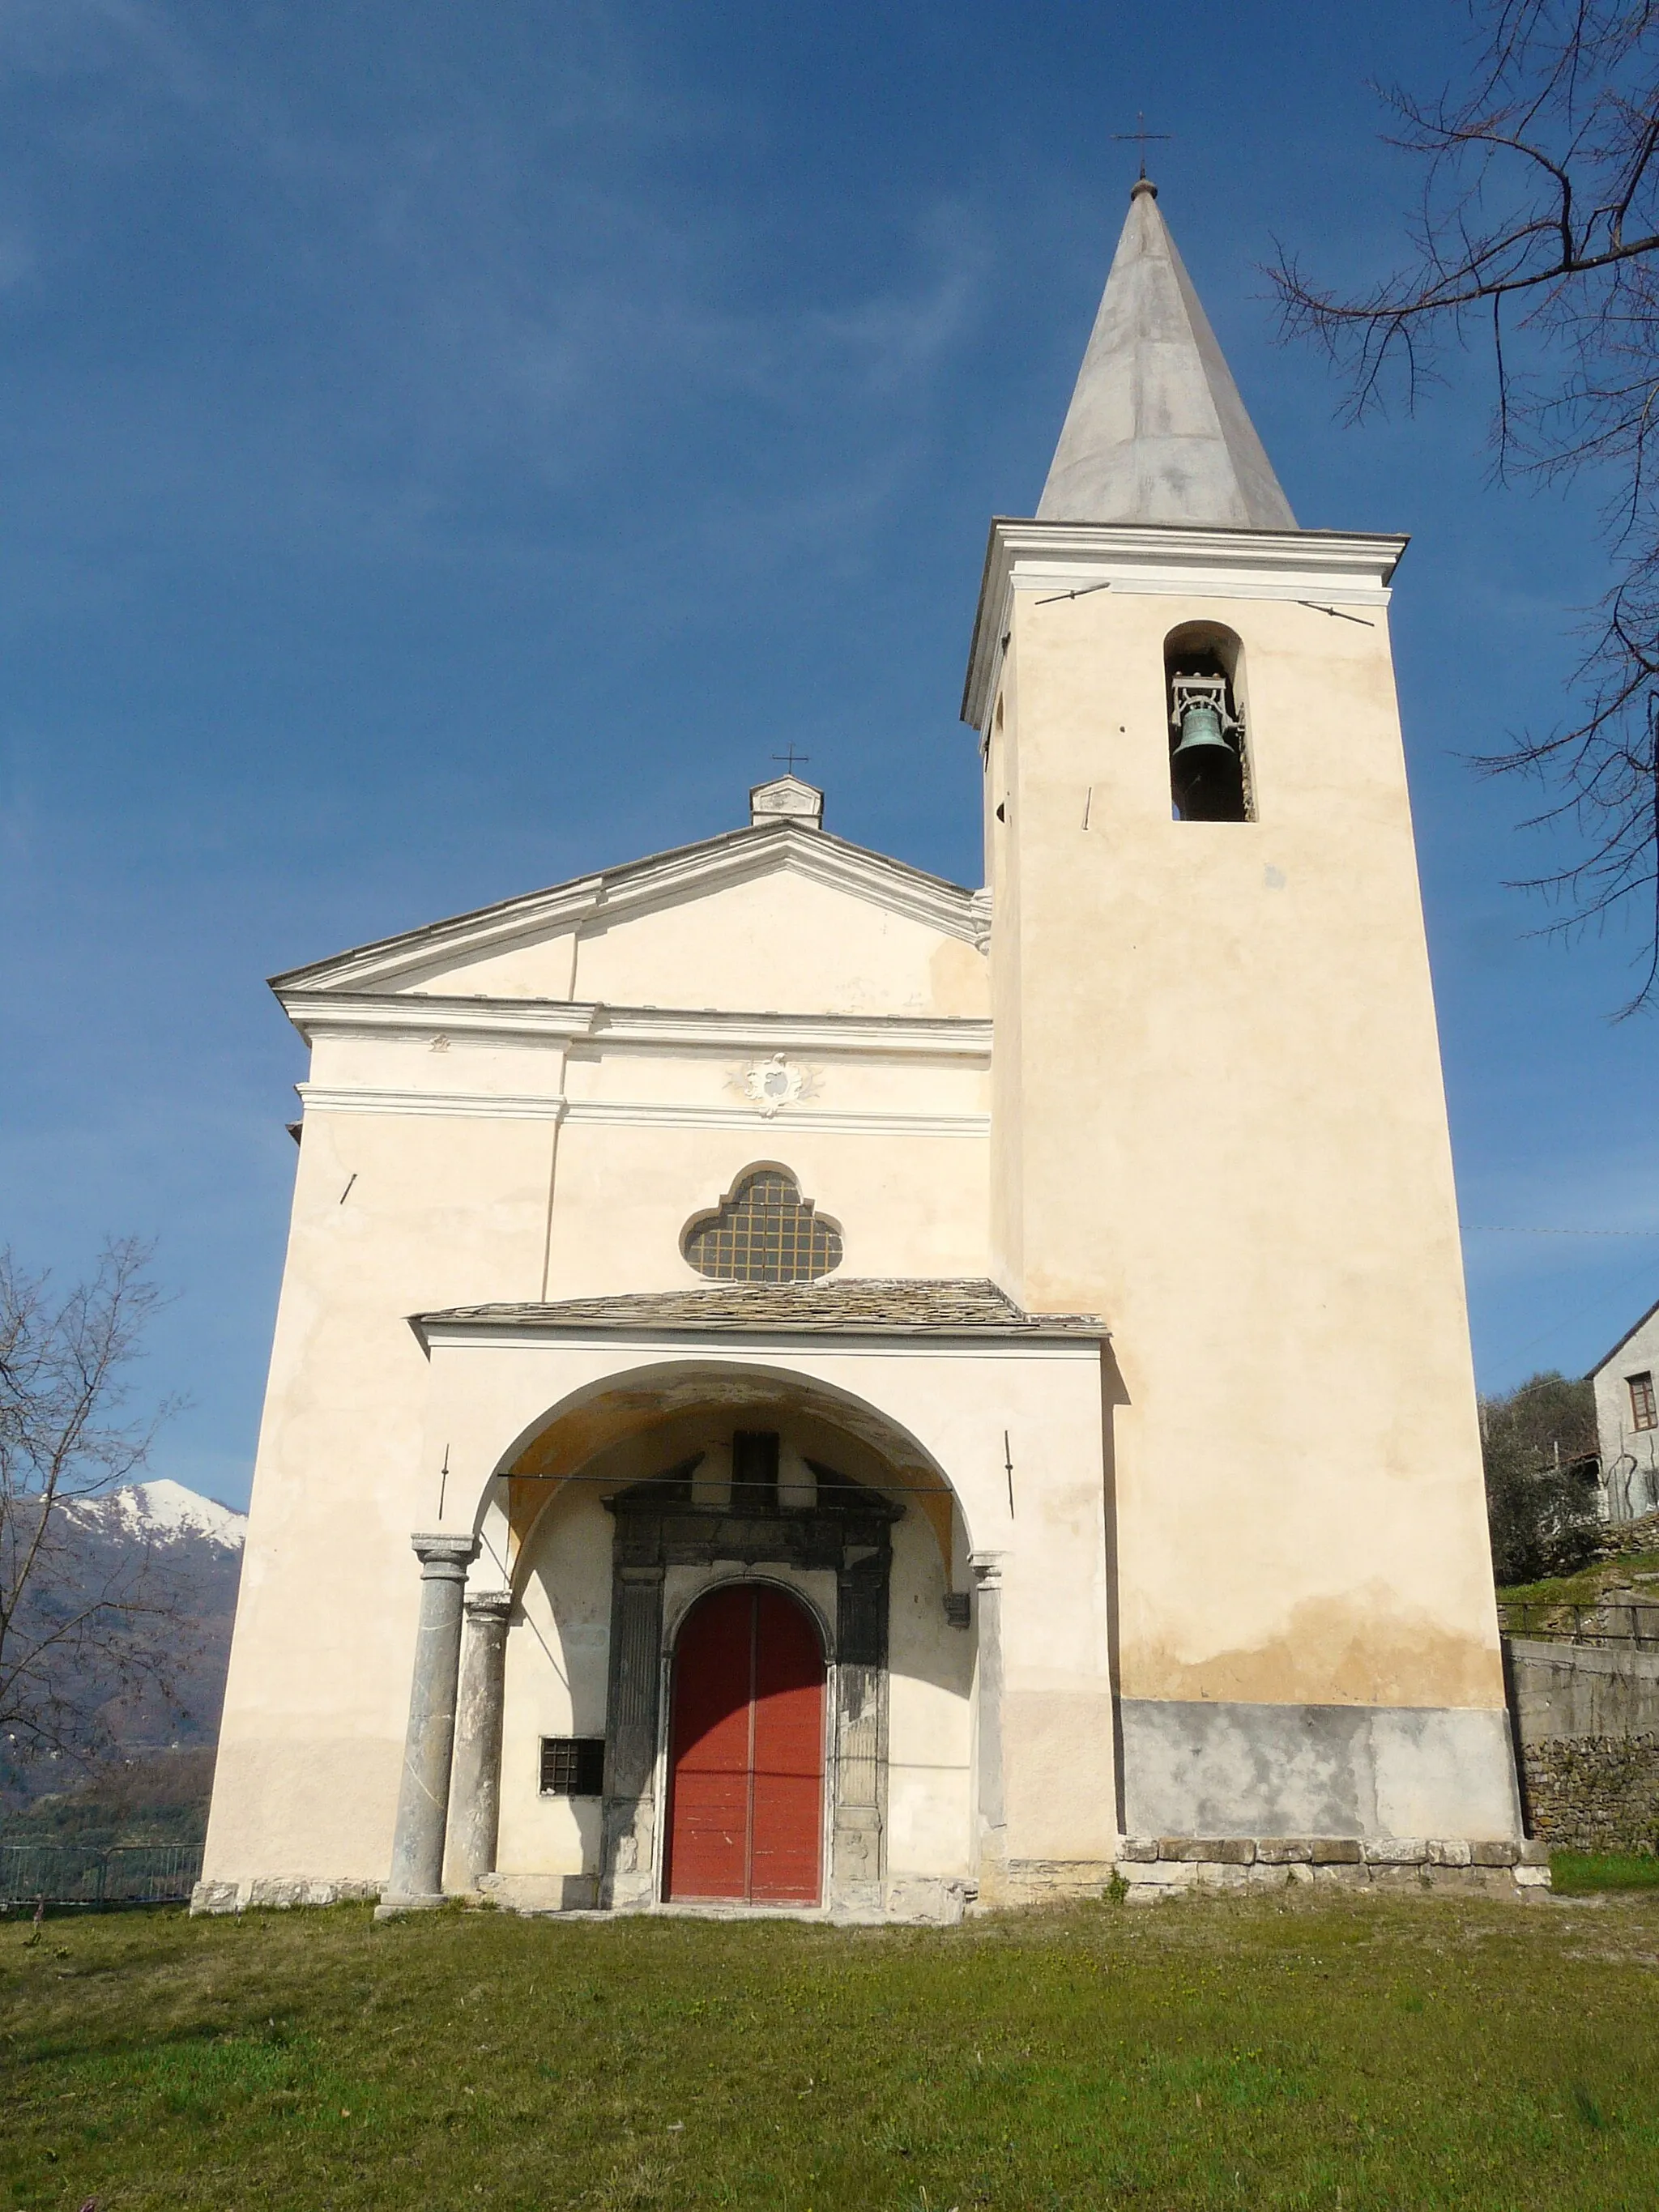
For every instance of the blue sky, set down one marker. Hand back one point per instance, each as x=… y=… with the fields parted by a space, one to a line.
x=447 y=449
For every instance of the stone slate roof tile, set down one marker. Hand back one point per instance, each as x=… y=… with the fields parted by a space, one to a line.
x=894 y=1304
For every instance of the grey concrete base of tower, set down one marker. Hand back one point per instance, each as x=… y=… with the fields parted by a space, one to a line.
x=1359 y=1771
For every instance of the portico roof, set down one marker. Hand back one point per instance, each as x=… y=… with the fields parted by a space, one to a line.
x=891 y=1306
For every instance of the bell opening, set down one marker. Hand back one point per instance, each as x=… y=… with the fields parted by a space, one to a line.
x=1209 y=770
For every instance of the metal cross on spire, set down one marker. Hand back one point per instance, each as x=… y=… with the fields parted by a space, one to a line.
x=791 y=759
x=1141 y=135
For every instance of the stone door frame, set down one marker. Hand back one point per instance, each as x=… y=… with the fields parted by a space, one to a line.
x=847 y=1532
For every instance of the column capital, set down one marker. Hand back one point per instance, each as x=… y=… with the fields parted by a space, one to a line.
x=489 y=1605
x=987 y=1568
x=444 y=1558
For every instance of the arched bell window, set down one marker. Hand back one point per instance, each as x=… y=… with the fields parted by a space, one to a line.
x=762 y=1232
x=1209 y=758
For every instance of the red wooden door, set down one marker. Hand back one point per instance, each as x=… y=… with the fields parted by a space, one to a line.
x=746 y=1751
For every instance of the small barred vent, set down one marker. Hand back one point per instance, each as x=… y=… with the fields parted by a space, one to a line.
x=764 y=1232
x=573 y=1767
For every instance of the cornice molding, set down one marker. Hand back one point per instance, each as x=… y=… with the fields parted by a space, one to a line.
x=664 y=879
x=447 y=1105
x=422 y=1017
x=419 y=1018
x=500 y=1334
x=622 y=1113
x=909 y=1036
x=816 y=1120
x=1344 y=568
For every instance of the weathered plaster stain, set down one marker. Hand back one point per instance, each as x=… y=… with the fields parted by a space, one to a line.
x=1356 y=1649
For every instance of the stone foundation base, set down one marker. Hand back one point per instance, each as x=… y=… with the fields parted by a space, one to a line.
x=914 y=1899
x=1163 y=1866
x=1040 y=1882
x=279 y=1892
x=541 y=1893
x=935 y=1900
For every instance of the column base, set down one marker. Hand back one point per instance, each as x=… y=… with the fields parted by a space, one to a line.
x=392 y=1908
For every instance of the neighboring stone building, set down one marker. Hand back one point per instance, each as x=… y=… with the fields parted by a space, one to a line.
x=863 y=1391
x=1627 y=1420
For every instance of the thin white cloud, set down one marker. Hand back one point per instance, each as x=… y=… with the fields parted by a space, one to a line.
x=137 y=39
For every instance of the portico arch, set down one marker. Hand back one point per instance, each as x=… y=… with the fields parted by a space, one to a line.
x=587 y=1436
x=588 y=1449
x=649 y=1448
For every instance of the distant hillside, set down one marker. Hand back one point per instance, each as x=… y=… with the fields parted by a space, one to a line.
x=190 y=1548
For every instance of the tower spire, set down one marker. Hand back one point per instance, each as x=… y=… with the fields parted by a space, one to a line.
x=1156 y=431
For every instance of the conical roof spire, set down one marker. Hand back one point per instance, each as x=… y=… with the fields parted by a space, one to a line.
x=1156 y=431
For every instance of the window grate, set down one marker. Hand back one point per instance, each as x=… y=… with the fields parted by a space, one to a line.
x=1643 y=1410
x=573 y=1767
x=765 y=1232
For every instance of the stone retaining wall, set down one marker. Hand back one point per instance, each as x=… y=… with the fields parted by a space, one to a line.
x=1160 y=1866
x=1560 y=1689
x=1594 y=1793
x=1587 y=1718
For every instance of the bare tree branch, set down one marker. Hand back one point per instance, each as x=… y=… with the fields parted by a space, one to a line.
x=1535 y=178
x=78 y=1624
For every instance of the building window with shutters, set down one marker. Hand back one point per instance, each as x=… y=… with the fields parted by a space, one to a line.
x=1644 y=1413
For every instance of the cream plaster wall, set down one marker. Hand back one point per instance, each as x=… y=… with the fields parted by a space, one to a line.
x=557 y=1652
x=395 y=1213
x=904 y=1205
x=388 y=1216
x=1225 y=1130
x=930 y=1741
x=779 y=941
x=440 y=1168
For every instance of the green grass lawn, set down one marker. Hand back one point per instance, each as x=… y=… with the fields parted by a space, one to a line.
x=1578 y=1874
x=1586 y=1586
x=1246 y=2052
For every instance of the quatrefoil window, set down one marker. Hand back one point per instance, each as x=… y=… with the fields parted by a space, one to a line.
x=762 y=1232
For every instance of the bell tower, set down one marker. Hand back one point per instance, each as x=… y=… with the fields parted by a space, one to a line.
x=1218 y=1119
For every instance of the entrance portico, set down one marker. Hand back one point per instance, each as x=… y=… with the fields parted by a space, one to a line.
x=621 y=1449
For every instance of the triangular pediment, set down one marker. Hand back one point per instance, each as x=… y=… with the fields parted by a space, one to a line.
x=721 y=906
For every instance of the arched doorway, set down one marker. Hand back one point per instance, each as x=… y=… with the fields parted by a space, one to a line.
x=746 y=1751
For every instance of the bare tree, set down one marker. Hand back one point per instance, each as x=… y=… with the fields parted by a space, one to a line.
x=1538 y=227
x=81 y=1623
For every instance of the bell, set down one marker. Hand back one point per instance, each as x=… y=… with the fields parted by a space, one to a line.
x=1204 y=772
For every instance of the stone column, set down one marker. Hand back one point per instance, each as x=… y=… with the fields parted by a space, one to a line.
x=860 y=1768
x=628 y=1840
x=992 y=1821
x=417 y=1842
x=476 y=1792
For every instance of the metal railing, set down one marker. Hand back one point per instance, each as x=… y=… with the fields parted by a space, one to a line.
x=1612 y=1623
x=76 y=1873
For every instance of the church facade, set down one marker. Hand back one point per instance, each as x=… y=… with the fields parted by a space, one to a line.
x=799 y=1385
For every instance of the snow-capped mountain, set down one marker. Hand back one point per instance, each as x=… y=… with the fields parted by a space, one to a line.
x=172 y=1561
x=163 y=1512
